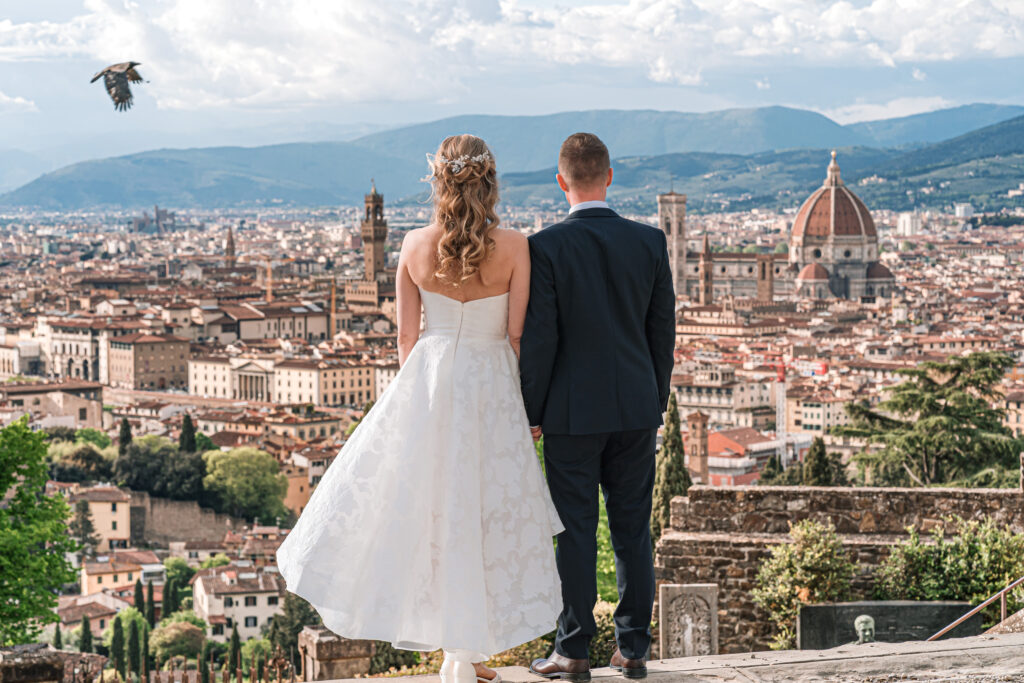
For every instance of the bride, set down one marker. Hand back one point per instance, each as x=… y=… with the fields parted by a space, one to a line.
x=432 y=528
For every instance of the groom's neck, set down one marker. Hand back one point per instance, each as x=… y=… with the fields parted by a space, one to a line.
x=575 y=197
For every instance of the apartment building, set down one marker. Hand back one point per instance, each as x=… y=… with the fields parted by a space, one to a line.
x=148 y=361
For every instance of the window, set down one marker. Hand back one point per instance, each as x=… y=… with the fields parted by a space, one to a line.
x=99 y=579
x=113 y=507
x=83 y=414
x=250 y=600
x=250 y=622
x=272 y=600
x=229 y=602
x=218 y=629
x=113 y=524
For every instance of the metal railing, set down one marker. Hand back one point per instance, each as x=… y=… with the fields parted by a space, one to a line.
x=1001 y=596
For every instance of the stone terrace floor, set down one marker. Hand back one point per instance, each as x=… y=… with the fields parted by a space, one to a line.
x=986 y=658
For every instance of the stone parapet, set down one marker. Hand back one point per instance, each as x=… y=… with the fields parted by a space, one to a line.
x=853 y=510
x=33 y=663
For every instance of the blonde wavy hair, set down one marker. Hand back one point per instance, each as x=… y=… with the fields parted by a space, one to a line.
x=464 y=182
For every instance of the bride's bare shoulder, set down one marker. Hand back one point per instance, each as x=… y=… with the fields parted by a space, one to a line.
x=418 y=238
x=508 y=238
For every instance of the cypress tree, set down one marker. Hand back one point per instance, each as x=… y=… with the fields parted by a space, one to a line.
x=235 y=649
x=85 y=642
x=125 y=437
x=147 y=660
x=150 y=606
x=204 y=663
x=772 y=470
x=187 y=439
x=672 y=478
x=134 y=651
x=817 y=469
x=170 y=595
x=82 y=528
x=117 y=648
x=58 y=640
x=140 y=600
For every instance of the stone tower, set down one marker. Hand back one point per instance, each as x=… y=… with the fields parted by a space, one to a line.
x=697 y=447
x=765 y=278
x=705 y=289
x=229 y=249
x=672 y=219
x=374 y=231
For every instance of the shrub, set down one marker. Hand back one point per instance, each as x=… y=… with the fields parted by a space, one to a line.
x=979 y=559
x=388 y=658
x=813 y=568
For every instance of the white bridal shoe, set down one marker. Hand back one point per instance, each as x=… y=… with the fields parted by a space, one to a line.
x=458 y=668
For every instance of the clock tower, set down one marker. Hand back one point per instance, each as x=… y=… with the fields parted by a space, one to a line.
x=374 y=231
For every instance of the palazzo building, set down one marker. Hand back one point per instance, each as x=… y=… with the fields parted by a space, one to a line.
x=377 y=288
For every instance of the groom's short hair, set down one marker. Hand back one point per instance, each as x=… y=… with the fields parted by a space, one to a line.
x=583 y=160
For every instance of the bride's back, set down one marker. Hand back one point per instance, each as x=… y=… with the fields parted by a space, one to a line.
x=492 y=278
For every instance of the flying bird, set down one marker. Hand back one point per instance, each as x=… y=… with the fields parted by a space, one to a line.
x=116 y=78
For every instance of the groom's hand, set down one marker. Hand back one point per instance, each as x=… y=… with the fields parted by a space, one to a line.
x=536 y=433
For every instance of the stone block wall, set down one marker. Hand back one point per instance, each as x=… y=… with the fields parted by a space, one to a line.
x=721 y=535
x=162 y=520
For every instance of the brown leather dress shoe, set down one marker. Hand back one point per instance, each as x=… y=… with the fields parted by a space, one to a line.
x=630 y=668
x=557 y=666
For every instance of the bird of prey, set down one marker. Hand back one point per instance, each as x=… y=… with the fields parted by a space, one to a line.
x=116 y=78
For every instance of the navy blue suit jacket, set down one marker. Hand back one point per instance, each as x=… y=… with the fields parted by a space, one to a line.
x=597 y=349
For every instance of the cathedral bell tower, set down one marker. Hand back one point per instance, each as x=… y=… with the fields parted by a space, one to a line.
x=374 y=231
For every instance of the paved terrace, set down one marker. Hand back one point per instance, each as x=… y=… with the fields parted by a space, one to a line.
x=980 y=658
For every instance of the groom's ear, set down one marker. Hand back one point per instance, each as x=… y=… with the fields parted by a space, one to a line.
x=611 y=175
x=561 y=182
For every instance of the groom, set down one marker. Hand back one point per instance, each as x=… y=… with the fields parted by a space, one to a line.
x=596 y=361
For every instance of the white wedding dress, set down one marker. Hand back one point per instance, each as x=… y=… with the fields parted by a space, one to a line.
x=433 y=527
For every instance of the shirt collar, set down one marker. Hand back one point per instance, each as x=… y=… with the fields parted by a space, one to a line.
x=596 y=204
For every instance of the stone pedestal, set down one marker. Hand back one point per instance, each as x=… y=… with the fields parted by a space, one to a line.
x=33 y=663
x=326 y=656
x=688 y=619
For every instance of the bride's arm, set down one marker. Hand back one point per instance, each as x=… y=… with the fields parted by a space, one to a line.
x=519 y=291
x=408 y=303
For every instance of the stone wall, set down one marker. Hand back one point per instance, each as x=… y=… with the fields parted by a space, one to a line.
x=162 y=520
x=721 y=534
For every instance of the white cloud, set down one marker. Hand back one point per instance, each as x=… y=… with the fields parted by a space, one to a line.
x=763 y=84
x=286 y=53
x=903 y=106
x=919 y=75
x=14 y=103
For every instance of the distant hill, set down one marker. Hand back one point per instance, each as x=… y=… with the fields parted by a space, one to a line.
x=311 y=174
x=934 y=126
x=526 y=143
x=731 y=158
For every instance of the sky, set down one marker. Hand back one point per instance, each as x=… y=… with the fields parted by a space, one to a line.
x=256 y=72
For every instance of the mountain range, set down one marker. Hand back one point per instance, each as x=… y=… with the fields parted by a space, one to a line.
x=726 y=158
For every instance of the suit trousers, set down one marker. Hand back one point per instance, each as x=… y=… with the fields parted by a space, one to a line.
x=622 y=464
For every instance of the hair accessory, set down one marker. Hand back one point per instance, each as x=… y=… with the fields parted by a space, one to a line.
x=456 y=165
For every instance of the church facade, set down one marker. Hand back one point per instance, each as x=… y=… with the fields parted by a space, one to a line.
x=833 y=253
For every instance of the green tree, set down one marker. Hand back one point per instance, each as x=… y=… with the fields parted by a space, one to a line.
x=822 y=468
x=82 y=529
x=938 y=425
x=772 y=470
x=218 y=560
x=204 y=443
x=781 y=248
x=124 y=437
x=253 y=649
x=672 y=478
x=117 y=658
x=178 y=639
x=93 y=436
x=83 y=464
x=139 y=597
x=185 y=615
x=150 y=605
x=248 y=482
x=34 y=539
x=134 y=647
x=285 y=626
x=183 y=477
x=147 y=656
x=170 y=605
x=813 y=568
x=85 y=638
x=58 y=639
x=187 y=439
x=234 y=648
x=59 y=434
x=178 y=569
x=144 y=463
